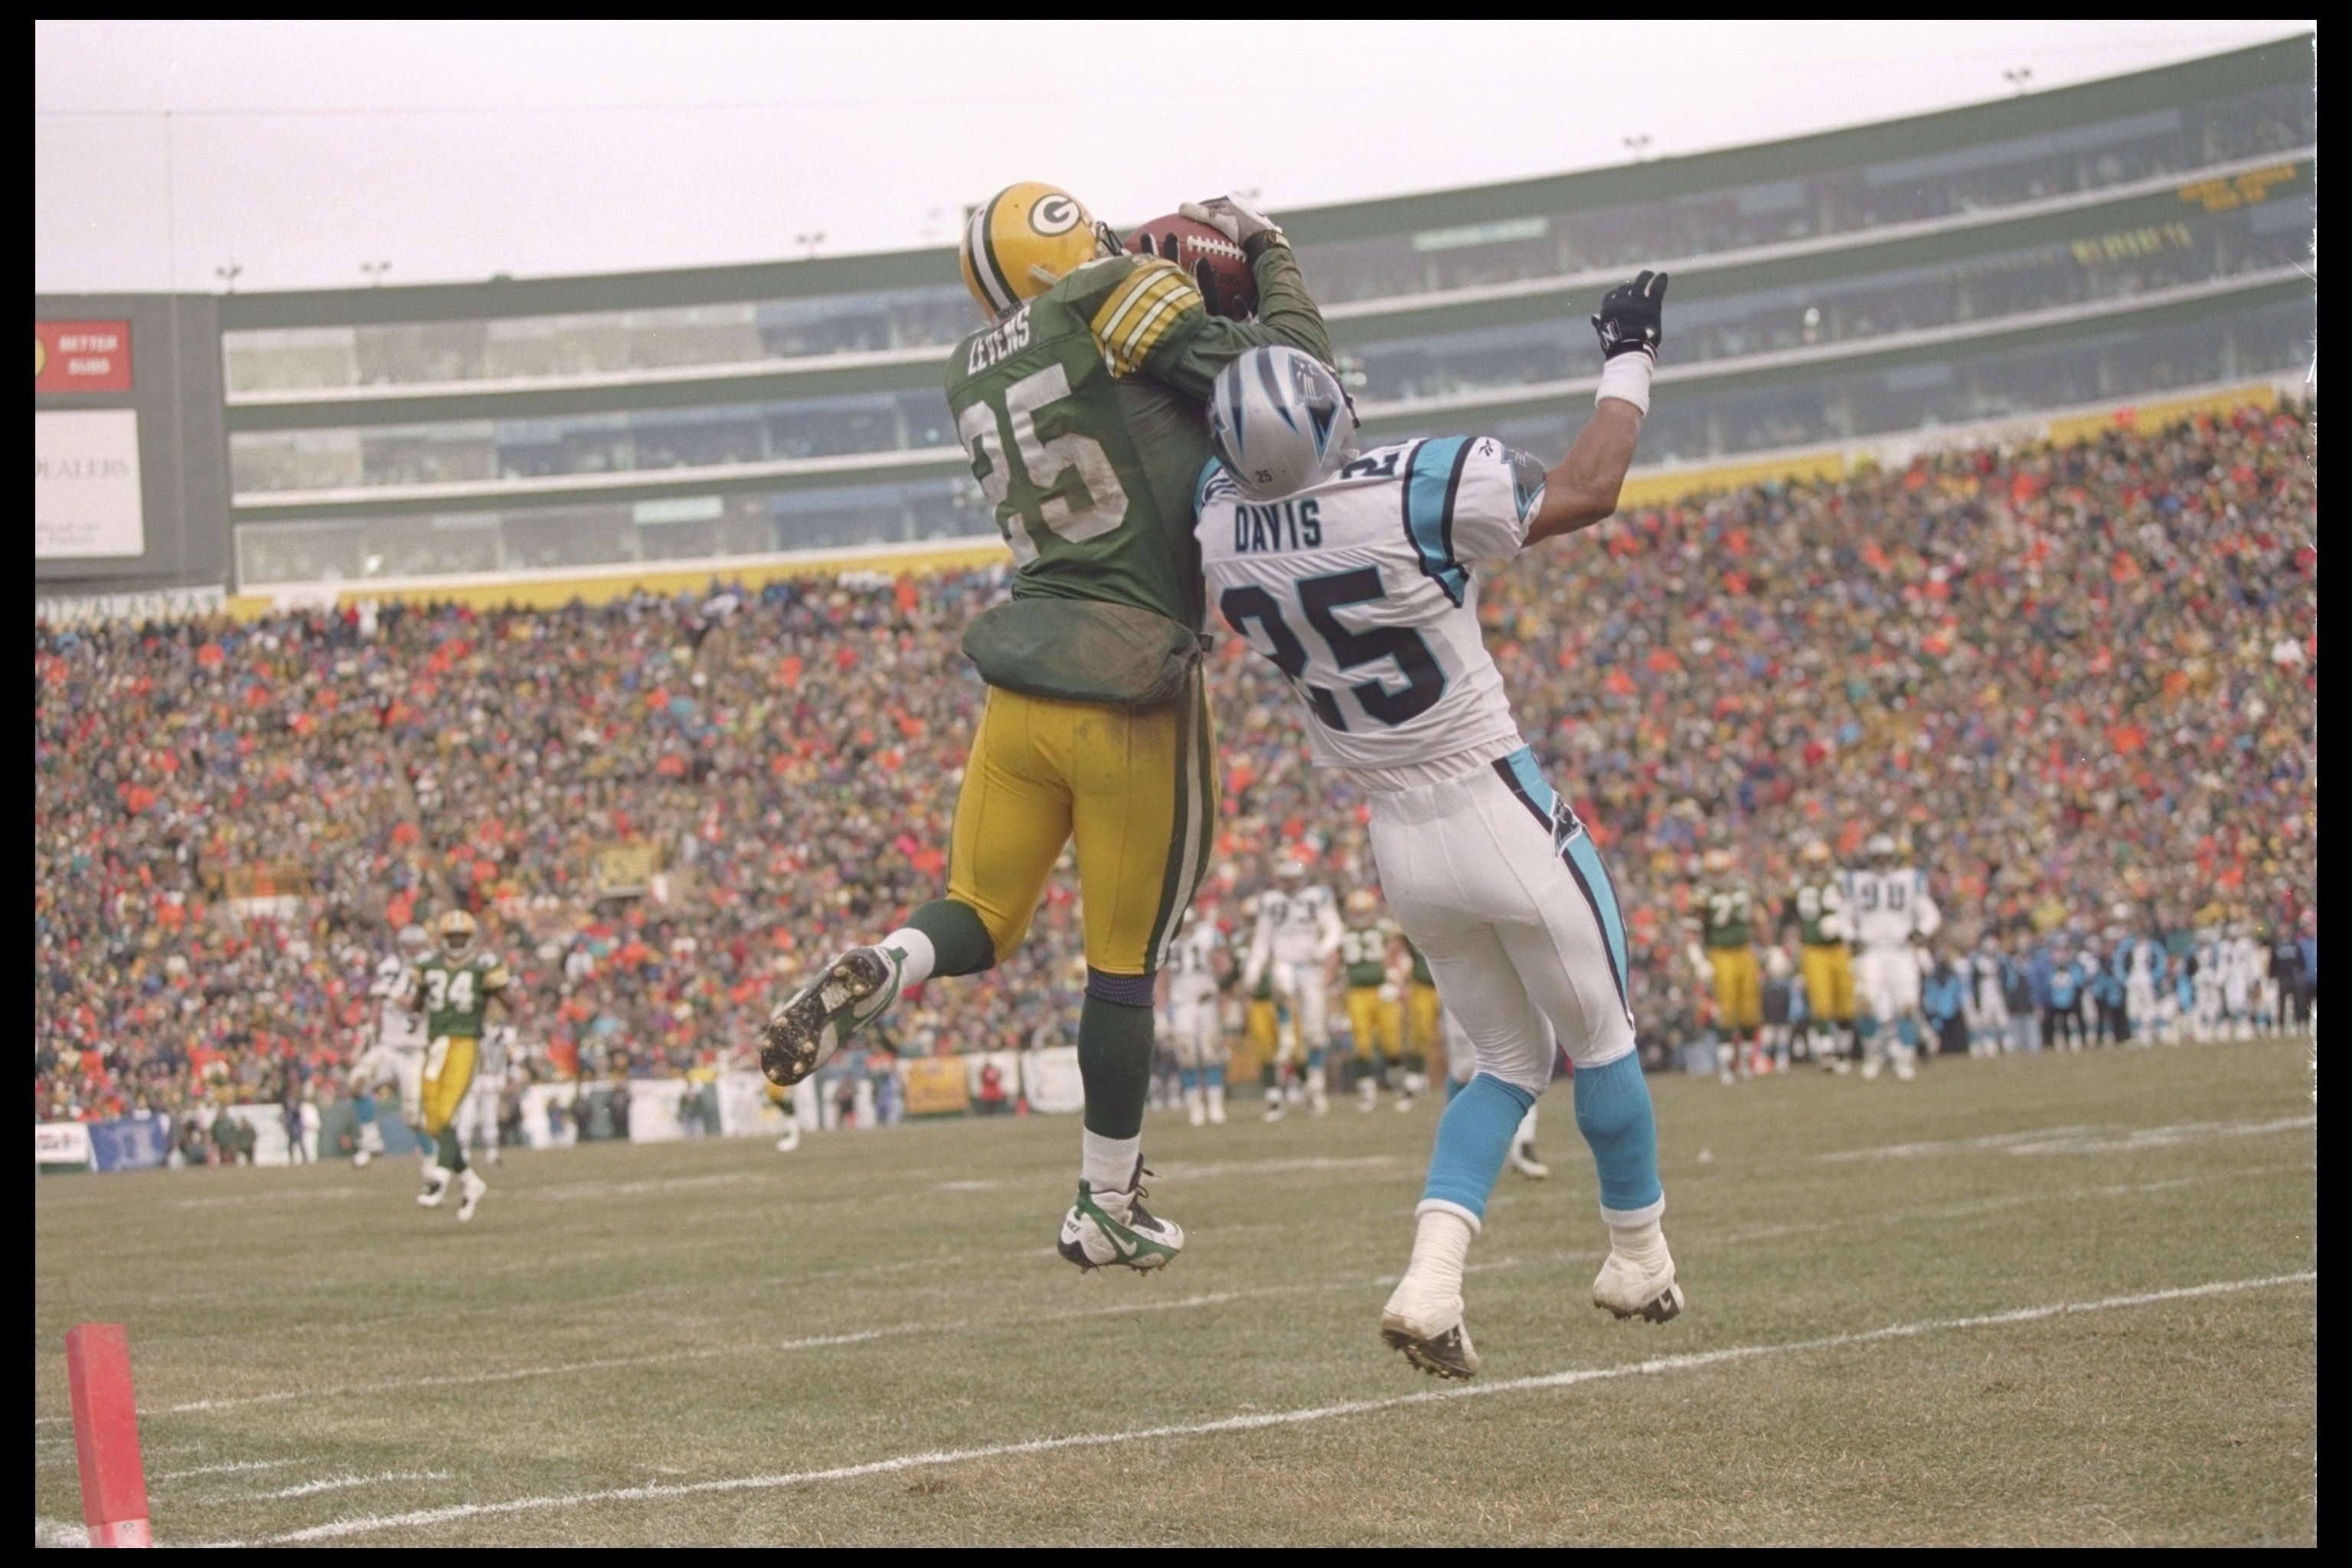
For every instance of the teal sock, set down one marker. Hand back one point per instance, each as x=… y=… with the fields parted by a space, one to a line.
x=960 y=941
x=1115 y=1063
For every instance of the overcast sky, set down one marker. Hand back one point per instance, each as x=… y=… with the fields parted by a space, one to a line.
x=163 y=150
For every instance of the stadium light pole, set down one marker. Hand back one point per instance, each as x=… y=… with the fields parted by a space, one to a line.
x=227 y=273
x=808 y=244
x=375 y=271
x=1637 y=145
x=2016 y=77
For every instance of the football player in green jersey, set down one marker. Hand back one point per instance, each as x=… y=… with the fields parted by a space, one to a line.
x=1080 y=405
x=1727 y=930
x=1817 y=908
x=1375 y=1001
x=453 y=987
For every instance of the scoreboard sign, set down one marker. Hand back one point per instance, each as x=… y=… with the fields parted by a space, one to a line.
x=81 y=356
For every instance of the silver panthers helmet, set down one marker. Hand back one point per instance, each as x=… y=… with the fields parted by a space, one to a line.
x=1279 y=421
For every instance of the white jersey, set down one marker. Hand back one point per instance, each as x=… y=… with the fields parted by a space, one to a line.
x=396 y=1028
x=1297 y=928
x=1193 y=961
x=1888 y=909
x=1362 y=589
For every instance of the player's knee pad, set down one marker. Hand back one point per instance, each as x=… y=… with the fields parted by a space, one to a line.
x=1127 y=990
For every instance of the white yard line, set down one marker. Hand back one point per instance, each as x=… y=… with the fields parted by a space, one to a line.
x=2078 y=1140
x=227 y=1469
x=1255 y=1422
x=344 y=1483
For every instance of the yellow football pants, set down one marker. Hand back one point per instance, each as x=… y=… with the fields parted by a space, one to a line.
x=1738 y=992
x=448 y=1074
x=1135 y=787
x=1829 y=983
x=1376 y=1023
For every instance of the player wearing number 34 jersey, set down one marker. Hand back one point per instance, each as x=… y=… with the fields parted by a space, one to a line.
x=1358 y=576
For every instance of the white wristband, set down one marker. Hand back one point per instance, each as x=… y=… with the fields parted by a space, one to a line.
x=1627 y=376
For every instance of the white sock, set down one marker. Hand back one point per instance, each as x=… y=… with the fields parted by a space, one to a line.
x=921 y=955
x=1526 y=1132
x=1107 y=1164
x=1430 y=1295
x=1637 y=1235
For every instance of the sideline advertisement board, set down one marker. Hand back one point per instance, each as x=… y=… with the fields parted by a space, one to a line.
x=61 y=1146
x=86 y=500
x=130 y=1142
x=1050 y=1079
x=269 y=1125
x=935 y=1086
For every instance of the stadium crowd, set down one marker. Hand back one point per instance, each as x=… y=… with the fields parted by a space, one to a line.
x=2081 y=683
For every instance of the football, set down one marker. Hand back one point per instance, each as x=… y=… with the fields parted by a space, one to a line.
x=1216 y=263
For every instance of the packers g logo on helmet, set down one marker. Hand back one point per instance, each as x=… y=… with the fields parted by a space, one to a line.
x=1024 y=239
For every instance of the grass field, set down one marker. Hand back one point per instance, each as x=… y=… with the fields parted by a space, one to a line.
x=869 y=1341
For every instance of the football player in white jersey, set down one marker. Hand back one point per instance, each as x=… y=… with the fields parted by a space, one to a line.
x=2143 y=961
x=1356 y=577
x=397 y=1055
x=1193 y=961
x=2241 y=966
x=1298 y=930
x=1887 y=905
x=478 y=1112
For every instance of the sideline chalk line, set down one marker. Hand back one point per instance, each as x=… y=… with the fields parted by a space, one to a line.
x=339 y=1528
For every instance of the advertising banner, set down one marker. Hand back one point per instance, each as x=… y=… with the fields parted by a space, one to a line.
x=1050 y=1079
x=745 y=1109
x=269 y=1124
x=547 y=1119
x=81 y=356
x=131 y=1143
x=62 y=1144
x=86 y=484
x=653 y=1109
x=935 y=1086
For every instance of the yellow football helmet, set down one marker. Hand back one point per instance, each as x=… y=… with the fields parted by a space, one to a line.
x=457 y=930
x=1024 y=239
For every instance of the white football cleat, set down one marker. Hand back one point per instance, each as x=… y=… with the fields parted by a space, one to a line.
x=1639 y=1287
x=1524 y=1161
x=1428 y=1331
x=1273 y=1105
x=810 y=1025
x=1217 y=1105
x=1107 y=1229
x=436 y=1187
x=359 y=1158
x=1367 y=1091
x=470 y=1188
x=1196 y=1110
x=789 y=1141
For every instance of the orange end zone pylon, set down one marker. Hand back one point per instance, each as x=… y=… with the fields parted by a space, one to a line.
x=106 y=1435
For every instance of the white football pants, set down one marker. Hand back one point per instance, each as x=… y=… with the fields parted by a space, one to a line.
x=1886 y=981
x=1500 y=886
x=408 y=1075
x=1192 y=1026
x=1301 y=985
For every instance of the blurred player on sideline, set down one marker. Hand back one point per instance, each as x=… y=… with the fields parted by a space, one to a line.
x=1726 y=931
x=1298 y=935
x=1891 y=910
x=1192 y=976
x=1375 y=1010
x=1817 y=908
x=398 y=1055
x=1355 y=575
x=1080 y=407
x=452 y=989
x=478 y=1112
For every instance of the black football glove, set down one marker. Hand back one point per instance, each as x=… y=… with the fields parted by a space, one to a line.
x=1630 y=318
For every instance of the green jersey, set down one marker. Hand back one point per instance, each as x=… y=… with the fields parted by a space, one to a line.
x=455 y=992
x=1082 y=411
x=1724 y=918
x=1820 y=911
x=1364 y=954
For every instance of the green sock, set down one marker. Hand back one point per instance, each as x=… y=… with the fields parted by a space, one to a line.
x=452 y=1153
x=958 y=939
x=1115 y=1062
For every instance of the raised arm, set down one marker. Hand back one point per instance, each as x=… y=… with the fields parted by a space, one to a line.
x=1582 y=488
